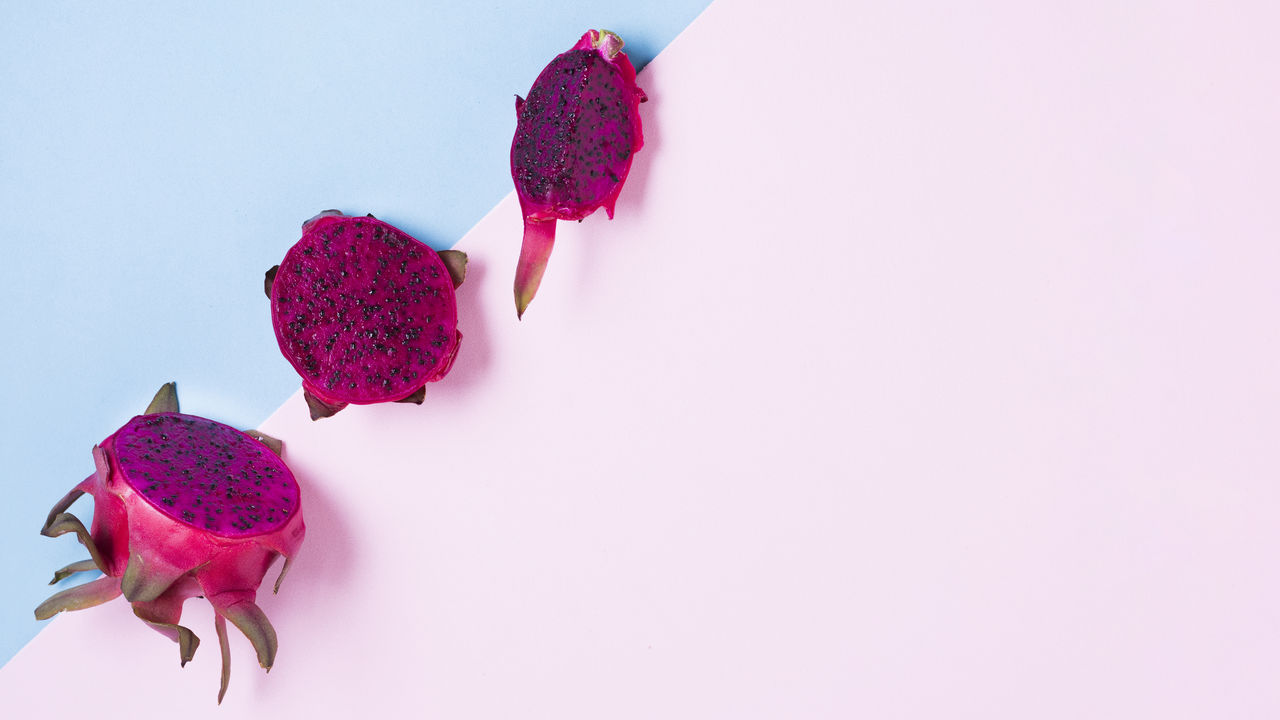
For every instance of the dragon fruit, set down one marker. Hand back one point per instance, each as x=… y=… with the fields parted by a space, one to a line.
x=183 y=507
x=364 y=312
x=576 y=134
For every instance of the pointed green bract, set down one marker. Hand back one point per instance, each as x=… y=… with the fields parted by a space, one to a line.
x=224 y=645
x=455 y=261
x=417 y=397
x=284 y=570
x=73 y=568
x=322 y=214
x=186 y=639
x=269 y=279
x=61 y=507
x=319 y=408
x=145 y=580
x=187 y=644
x=165 y=401
x=251 y=621
x=68 y=523
x=94 y=592
x=101 y=465
x=275 y=445
x=535 y=251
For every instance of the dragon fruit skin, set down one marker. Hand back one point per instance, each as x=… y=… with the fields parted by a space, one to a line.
x=183 y=507
x=364 y=312
x=576 y=134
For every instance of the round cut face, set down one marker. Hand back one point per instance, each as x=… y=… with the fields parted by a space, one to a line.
x=206 y=474
x=364 y=312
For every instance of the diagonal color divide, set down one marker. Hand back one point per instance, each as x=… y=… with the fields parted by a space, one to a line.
x=919 y=375
x=156 y=158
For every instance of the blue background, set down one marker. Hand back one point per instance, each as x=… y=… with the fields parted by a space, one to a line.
x=157 y=157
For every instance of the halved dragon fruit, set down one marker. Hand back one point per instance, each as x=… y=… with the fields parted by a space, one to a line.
x=183 y=507
x=364 y=312
x=576 y=134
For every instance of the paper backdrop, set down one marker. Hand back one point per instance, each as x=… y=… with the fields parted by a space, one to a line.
x=156 y=158
x=927 y=370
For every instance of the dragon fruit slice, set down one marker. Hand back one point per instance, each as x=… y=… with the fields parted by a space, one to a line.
x=183 y=507
x=364 y=312
x=576 y=134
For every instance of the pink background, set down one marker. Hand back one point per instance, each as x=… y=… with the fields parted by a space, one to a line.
x=929 y=369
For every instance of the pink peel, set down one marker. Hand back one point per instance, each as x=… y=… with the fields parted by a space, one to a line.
x=157 y=538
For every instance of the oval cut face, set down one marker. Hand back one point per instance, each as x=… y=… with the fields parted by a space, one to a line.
x=574 y=135
x=364 y=312
x=206 y=474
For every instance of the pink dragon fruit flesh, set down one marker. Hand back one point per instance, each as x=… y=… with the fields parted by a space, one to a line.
x=576 y=134
x=364 y=312
x=183 y=507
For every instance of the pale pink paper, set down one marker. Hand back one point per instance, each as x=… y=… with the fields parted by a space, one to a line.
x=929 y=370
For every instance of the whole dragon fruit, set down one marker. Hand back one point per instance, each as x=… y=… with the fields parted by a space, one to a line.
x=364 y=312
x=576 y=134
x=183 y=507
